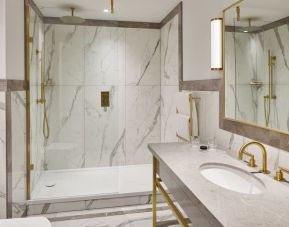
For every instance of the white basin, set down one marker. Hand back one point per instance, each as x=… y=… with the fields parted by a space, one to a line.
x=232 y=178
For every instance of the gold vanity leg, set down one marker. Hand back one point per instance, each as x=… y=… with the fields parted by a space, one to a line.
x=154 y=192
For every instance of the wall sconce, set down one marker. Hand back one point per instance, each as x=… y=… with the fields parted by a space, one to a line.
x=217 y=44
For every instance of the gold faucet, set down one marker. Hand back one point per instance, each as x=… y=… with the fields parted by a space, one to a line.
x=279 y=174
x=251 y=163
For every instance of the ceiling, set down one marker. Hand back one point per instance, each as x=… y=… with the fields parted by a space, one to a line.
x=261 y=12
x=125 y=10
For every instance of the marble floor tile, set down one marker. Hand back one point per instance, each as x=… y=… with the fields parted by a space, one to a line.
x=127 y=220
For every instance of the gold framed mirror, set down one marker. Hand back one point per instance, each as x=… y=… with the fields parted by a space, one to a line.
x=255 y=83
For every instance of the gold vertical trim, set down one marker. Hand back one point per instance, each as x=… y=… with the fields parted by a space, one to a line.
x=171 y=204
x=191 y=117
x=154 y=196
x=27 y=78
x=112 y=6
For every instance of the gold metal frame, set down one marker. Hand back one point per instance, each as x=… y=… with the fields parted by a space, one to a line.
x=251 y=130
x=157 y=186
x=27 y=78
x=112 y=6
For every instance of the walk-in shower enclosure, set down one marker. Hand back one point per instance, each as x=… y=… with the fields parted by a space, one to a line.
x=78 y=147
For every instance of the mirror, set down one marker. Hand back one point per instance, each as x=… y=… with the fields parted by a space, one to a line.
x=256 y=47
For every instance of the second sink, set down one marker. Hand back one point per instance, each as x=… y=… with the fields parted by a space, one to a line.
x=232 y=178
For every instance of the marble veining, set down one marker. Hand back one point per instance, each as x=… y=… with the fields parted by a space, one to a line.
x=169 y=78
x=123 y=61
x=246 y=54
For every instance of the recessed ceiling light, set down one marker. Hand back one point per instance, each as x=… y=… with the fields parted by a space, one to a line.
x=106 y=10
x=246 y=31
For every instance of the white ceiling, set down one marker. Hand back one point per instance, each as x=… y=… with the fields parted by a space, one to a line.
x=261 y=11
x=125 y=10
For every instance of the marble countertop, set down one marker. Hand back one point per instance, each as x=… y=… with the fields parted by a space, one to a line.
x=232 y=209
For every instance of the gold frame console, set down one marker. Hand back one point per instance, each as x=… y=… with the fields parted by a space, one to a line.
x=158 y=186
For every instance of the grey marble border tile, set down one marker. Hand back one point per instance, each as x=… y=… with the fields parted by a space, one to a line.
x=201 y=85
x=107 y=23
x=13 y=85
x=177 y=10
x=263 y=28
x=107 y=214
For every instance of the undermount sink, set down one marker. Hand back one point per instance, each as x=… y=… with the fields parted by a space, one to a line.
x=232 y=178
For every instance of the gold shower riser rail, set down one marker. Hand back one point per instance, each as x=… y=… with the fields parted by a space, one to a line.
x=157 y=186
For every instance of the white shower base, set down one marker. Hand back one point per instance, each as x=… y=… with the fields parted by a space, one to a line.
x=92 y=182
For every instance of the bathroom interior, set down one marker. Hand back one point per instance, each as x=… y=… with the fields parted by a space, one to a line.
x=144 y=113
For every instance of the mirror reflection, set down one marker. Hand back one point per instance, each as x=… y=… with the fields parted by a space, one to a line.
x=257 y=63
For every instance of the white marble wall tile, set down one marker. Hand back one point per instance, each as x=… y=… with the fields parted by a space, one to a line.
x=142 y=122
x=66 y=122
x=276 y=40
x=105 y=131
x=113 y=58
x=142 y=56
x=168 y=114
x=170 y=52
x=2 y=156
x=169 y=79
x=104 y=56
x=18 y=152
x=64 y=49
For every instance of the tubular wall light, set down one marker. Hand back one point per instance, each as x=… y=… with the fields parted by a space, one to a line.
x=217 y=44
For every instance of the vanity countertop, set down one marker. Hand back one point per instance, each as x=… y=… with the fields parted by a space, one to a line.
x=230 y=208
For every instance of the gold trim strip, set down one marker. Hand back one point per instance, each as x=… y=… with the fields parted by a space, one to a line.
x=27 y=78
x=154 y=195
x=171 y=204
x=112 y=6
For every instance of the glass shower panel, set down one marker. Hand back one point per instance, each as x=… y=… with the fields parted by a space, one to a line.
x=81 y=63
x=64 y=62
